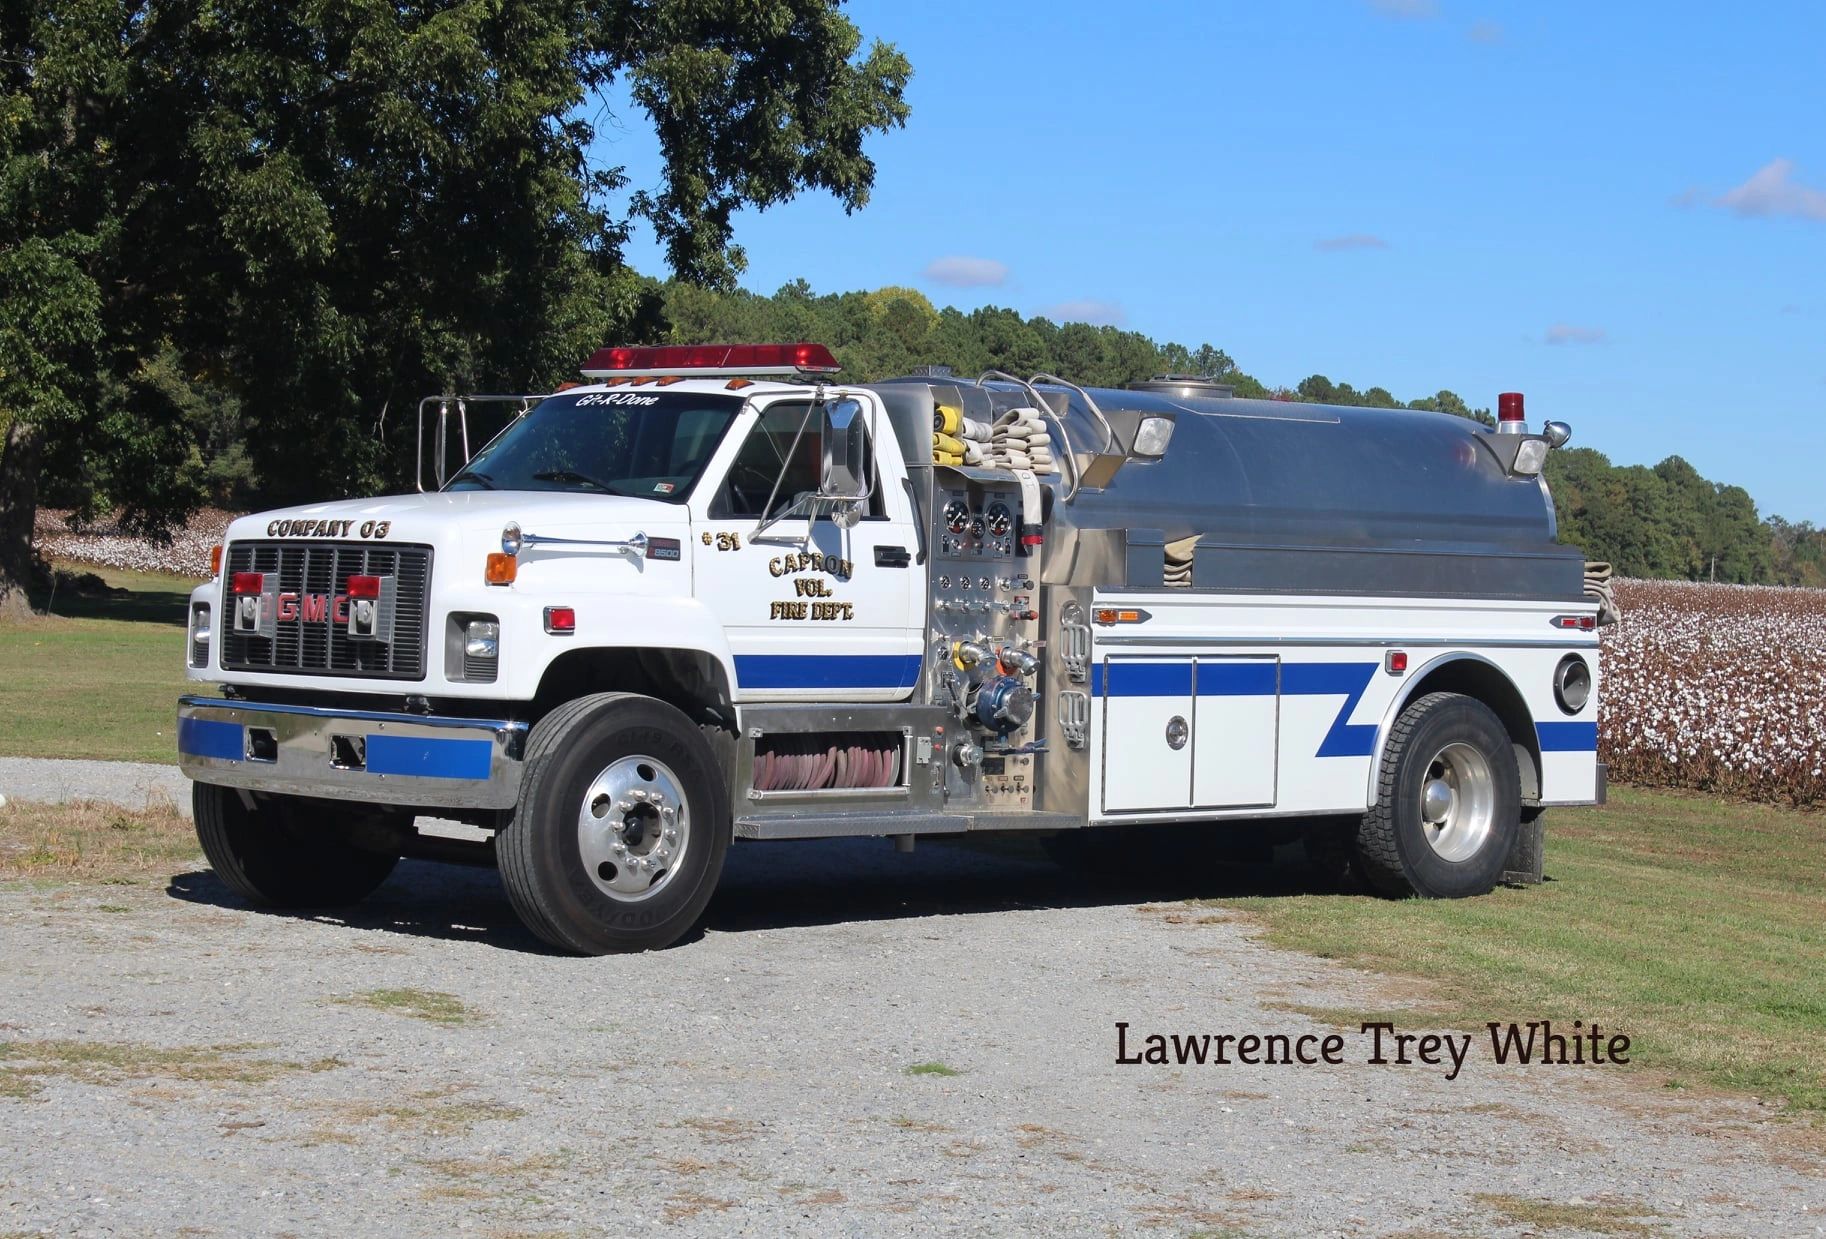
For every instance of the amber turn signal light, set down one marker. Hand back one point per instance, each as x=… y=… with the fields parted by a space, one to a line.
x=215 y=560
x=502 y=568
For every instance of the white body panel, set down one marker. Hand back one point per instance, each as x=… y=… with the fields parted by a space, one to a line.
x=1289 y=702
x=798 y=630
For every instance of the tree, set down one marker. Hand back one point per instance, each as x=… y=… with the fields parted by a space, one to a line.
x=1317 y=388
x=329 y=208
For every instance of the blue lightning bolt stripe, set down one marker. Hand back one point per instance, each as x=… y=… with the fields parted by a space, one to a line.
x=1256 y=678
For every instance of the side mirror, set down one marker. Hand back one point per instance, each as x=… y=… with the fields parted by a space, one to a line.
x=846 y=452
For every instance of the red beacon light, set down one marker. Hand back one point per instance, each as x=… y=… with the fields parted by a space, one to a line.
x=1510 y=419
x=709 y=360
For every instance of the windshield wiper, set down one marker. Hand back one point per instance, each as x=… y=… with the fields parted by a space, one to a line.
x=487 y=482
x=571 y=475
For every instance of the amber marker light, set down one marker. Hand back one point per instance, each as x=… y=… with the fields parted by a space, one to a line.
x=502 y=568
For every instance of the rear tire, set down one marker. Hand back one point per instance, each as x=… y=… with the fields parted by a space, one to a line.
x=271 y=857
x=1448 y=804
x=622 y=826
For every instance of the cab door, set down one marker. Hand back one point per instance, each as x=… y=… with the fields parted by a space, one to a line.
x=813 y=612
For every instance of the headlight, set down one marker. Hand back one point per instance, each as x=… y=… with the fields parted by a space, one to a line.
x=481 y=639
x=1530 y=456
x=511 y=539
x=1572 y=684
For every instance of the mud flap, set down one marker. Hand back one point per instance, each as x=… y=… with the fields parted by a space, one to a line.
x=1525 y=866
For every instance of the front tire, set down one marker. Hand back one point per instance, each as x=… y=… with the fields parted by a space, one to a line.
x=622 y=826
x=1448 y=804
x=268 y=854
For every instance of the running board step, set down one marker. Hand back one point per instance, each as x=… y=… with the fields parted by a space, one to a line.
x=849 y=825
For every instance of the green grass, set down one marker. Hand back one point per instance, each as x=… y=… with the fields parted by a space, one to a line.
x=88 y=841
x=432 y=1006
x=1591 y=1219
x=98 y=676
x=932 y=1069
x=24 y=1065
x=1695 y=925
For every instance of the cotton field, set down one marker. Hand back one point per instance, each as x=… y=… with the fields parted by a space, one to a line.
x=104 y=546
x=1717 y=687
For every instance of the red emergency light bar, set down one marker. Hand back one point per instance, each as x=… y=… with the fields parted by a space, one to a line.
x=712 y=360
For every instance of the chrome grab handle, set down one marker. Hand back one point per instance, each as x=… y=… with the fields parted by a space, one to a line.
x=636 y=545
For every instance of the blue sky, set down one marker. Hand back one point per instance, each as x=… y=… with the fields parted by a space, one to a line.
x=1618 y=209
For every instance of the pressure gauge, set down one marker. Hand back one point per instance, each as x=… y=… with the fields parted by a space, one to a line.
x=976 y=528
x=957 y=516
x=1001 y=520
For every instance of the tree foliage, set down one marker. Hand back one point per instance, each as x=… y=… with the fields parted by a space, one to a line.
x=323 y=210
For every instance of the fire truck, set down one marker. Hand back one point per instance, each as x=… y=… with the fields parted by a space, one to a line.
x=715 y=595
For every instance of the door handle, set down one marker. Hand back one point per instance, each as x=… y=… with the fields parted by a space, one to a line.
x=892 y=557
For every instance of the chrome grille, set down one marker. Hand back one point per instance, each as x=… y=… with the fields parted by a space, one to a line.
x=323 y=647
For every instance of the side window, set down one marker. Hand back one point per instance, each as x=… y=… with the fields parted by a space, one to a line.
x=768 y=455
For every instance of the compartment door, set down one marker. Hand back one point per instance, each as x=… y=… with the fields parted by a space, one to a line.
x=1235 y=729
x=1147 y=733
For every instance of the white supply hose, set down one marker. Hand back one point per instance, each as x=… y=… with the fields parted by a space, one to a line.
x=1597 y=585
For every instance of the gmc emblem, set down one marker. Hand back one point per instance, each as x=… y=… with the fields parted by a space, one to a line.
x=313 y=608
x=365 y=614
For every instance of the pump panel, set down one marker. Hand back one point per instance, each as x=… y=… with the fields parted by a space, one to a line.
x=986 y=656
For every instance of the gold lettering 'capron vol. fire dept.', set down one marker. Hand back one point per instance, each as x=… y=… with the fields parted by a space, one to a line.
x=809 y=561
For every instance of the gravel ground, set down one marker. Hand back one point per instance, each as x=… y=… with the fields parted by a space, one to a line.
x=755 y=1079
x=134 y=784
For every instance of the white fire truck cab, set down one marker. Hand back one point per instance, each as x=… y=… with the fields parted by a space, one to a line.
x=715 y=595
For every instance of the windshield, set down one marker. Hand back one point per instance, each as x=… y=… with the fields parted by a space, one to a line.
x=653 y=445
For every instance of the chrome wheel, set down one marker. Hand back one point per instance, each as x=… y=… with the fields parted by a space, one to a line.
x=633 y=828
x=1458 y=802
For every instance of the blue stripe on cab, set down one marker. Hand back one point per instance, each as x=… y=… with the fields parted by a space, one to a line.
x=428 y=757
x=1567 y=737
x=208 y=737
x=782 y=671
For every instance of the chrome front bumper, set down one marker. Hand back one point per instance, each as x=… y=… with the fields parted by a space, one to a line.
x=426 y=761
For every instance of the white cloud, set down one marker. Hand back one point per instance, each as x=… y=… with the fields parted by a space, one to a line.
x=1771 y=192
x=961 y=271
x=1350 y=241
x=1566 y=333
x=1406 y=9
x=1086 y=310
x=1485 y=32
